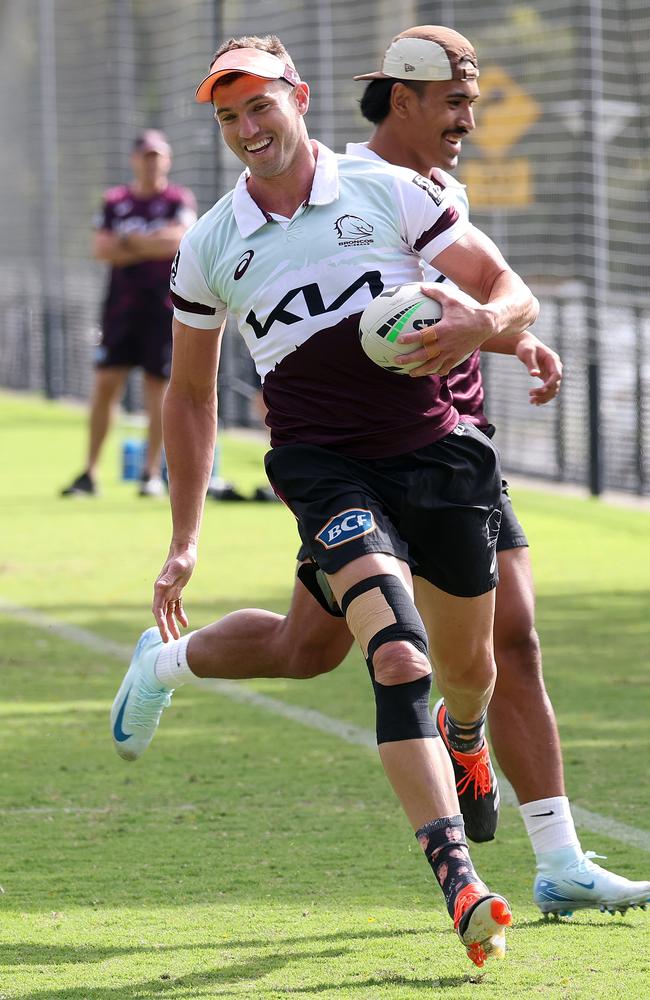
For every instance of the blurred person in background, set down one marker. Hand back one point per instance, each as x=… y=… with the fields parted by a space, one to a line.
x=137 y=232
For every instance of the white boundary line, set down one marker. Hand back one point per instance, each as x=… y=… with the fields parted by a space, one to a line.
x=236 y=691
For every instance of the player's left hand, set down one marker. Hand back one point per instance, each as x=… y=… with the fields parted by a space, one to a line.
x=463 y=327
x=542 y=362
x=167 y=604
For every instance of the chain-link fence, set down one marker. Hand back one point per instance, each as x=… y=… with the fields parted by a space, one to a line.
x=558 y=174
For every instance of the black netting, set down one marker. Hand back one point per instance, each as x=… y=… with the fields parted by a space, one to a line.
x=558 y=174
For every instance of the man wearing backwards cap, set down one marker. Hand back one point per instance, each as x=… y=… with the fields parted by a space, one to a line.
x=382 y=477
x=137 y=232
x=421 y=104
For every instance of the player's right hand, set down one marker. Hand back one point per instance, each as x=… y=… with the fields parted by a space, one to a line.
x=167 y=606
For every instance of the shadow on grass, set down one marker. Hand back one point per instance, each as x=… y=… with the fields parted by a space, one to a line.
x=249 y=971
x=37 y=954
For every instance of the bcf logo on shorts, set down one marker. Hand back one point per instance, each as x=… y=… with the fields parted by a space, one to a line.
x=343 y=527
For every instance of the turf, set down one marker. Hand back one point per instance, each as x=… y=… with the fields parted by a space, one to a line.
x=250 y=856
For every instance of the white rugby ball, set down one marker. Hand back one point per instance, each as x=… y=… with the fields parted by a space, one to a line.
x=396 y=311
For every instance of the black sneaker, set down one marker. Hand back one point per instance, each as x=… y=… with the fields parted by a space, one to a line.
x=476 y=784
x=82 y=486
x=220 y=489
x=264 y=494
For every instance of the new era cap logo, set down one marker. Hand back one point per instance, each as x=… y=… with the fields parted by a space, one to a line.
x=408 y=68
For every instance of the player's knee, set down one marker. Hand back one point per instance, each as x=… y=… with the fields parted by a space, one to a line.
x=380 y=611
x=382 y=617
x=399 y=663
x=474 y=672
x=518 y=654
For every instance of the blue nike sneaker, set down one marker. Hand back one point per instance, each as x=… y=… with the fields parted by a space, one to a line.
x=140 y=700
x=582 y=885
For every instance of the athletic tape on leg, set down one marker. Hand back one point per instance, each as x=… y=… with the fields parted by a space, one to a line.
x=379 y=610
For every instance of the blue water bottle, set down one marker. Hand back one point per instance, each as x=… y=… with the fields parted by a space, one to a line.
x=132 y=459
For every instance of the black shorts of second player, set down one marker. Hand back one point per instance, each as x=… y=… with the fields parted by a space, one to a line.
x=437 y=509
x=511 y=533
x=137 y=339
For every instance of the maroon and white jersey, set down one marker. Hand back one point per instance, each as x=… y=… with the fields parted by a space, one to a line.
x=465 y=380
x=297 y=288
x=123 y=211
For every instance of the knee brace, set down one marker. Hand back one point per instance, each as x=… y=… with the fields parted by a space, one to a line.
x=379 y=610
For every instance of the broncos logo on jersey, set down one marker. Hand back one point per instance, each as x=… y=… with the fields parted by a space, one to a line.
x=353 y=231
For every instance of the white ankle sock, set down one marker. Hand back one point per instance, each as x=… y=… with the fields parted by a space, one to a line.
x=549 y=824
x=171 y=666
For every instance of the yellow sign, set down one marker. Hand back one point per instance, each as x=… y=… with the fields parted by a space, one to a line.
x=504 y=112
x=498 y=183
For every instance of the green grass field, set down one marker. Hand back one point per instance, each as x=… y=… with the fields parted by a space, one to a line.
x=248 y=855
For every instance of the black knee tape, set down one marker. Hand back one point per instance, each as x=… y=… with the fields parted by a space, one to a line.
x=408 y=624
x=402 y=709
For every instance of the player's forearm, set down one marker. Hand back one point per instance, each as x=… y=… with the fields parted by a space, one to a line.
x=159 y=245
x=510 y=306
x=189 y=430
x=506 y=343
x=115 y=253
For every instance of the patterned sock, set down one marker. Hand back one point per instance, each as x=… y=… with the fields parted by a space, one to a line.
x=443 y=842
x=465 y=737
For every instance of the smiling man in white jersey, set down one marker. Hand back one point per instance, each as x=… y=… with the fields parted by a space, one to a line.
x=361 y=457
x=309 y=641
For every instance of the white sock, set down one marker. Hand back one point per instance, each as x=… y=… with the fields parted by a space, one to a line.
x=549 y=825
x=171 y=666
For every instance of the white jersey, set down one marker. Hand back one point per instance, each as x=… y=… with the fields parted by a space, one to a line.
x=456 y=191
x=464 y=380
x=297 y=290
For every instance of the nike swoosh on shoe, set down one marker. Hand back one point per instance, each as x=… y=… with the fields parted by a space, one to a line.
x=118 y=732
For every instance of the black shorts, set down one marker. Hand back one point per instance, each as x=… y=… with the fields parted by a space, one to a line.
x=437 y=508
x=511 y=533
x=138 y=339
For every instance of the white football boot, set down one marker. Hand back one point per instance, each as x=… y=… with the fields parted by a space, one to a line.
x=582 y=885
x=140 y=701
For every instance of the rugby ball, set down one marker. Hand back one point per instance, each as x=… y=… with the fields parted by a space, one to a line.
x=396 y=311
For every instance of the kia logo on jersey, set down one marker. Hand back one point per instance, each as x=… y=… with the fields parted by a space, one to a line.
x=242 y=266
x=313 y=299
x=343 y=527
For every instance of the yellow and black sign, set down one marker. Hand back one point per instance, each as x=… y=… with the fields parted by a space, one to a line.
x=506 y=113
